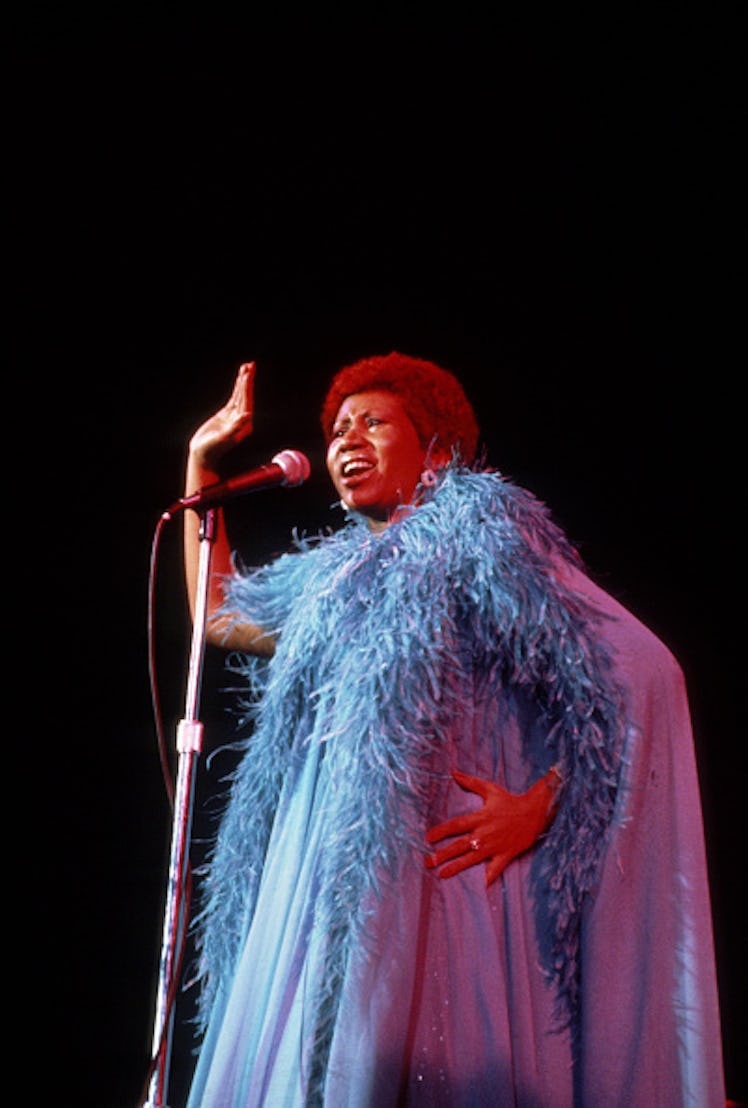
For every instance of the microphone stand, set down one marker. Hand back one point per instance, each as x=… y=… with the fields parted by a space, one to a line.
x=189 y=745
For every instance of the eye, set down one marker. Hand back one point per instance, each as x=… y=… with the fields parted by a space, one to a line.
x=373 y=421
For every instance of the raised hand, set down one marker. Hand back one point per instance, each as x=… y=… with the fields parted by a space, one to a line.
x=230 y=425
x=214 y=438
x=506 y=826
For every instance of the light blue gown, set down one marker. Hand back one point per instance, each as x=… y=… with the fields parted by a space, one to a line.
x=347 y=974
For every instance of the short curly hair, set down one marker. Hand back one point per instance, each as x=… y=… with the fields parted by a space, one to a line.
x=433 y=398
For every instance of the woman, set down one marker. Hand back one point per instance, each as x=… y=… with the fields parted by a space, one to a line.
x=437 y=691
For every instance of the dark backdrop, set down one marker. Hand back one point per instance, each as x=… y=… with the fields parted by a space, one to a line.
x=550 y=211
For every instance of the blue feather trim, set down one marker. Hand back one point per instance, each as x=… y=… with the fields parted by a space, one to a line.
x=366 y=628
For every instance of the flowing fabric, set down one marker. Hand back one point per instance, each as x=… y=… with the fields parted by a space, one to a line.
x=338 y=971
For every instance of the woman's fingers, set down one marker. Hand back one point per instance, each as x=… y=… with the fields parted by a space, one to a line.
x=505 y=826
x=474 y=784
x=230 y=425
x=459 y=855
x=244 y=386
x=495 y=867
x=240 y=407
x=456 y=826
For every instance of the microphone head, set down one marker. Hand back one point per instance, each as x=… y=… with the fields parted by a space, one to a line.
x=295 y=466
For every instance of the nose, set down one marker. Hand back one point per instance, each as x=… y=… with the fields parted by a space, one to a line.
x=352 y=437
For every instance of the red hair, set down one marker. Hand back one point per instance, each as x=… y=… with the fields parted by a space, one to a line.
x=432 y=397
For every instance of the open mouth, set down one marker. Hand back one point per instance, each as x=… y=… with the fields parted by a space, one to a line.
x=356 y=467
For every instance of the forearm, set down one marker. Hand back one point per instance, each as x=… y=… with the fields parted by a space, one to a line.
x=197 y=477
x=222 y=629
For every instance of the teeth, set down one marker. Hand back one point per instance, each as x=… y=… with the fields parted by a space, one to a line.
x=354 y=467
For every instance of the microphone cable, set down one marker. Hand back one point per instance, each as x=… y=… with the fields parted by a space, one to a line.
x=152 y=665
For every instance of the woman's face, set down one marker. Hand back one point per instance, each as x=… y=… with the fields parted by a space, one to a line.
x=374 y=458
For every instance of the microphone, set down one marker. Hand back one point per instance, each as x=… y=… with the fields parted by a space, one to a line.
x=290 y=467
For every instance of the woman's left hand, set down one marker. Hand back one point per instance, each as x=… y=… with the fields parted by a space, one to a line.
x=506 y=826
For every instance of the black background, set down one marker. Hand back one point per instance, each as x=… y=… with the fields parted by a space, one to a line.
x=549 y=209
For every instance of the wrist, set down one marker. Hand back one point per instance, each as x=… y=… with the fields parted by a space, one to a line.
x=553 y=782
x=554 y=779
x=199 y=473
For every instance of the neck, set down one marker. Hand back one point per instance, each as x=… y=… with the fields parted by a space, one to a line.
x=377 y=524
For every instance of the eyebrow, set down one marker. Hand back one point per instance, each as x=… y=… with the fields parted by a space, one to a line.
x=364 y=414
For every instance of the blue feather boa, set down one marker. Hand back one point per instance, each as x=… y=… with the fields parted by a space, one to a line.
x=367 y=626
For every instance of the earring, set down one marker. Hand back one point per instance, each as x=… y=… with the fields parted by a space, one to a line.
x=428 y=478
